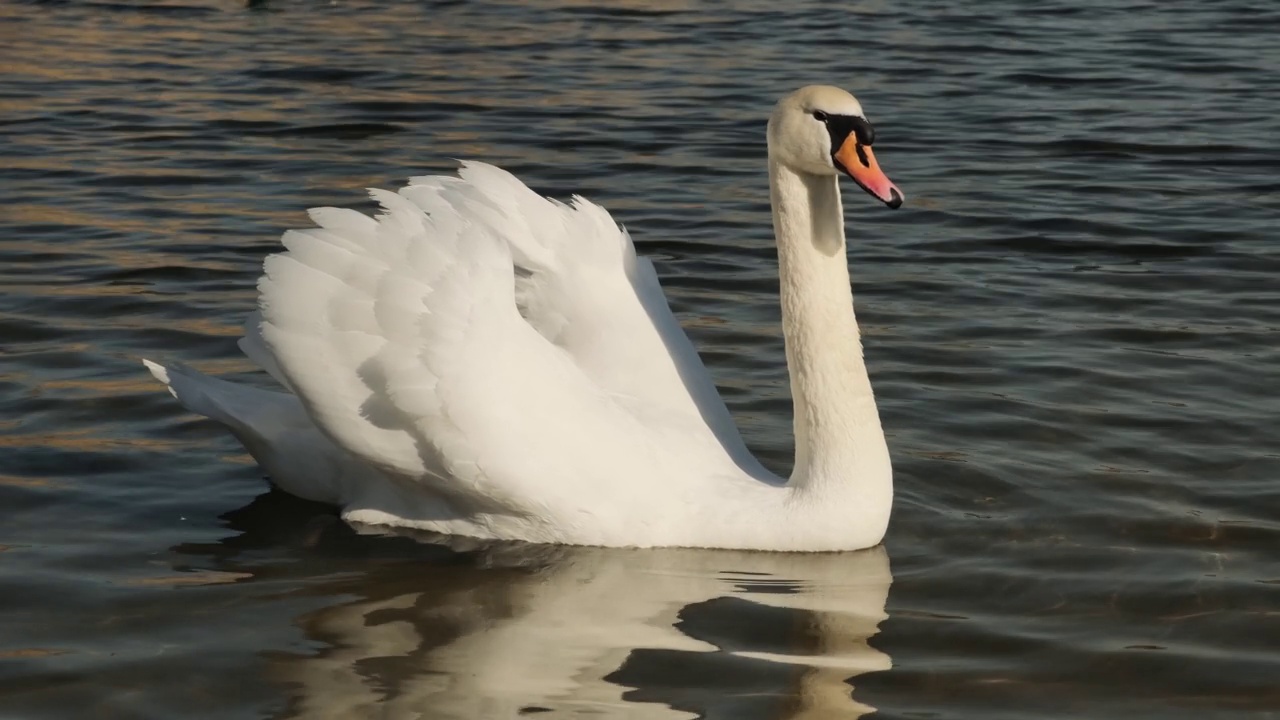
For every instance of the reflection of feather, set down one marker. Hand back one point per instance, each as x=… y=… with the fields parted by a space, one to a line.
x=571 y=628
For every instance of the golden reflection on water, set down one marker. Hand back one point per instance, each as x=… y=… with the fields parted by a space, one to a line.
x=82 y=440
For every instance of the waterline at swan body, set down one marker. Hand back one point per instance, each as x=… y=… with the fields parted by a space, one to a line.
x=480 y=361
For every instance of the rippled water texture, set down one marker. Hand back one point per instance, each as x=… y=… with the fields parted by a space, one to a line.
x=1071 y=328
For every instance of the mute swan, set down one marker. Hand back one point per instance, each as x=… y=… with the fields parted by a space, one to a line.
x=481 y=361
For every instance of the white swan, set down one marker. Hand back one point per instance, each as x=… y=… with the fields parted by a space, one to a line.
x=481 y=361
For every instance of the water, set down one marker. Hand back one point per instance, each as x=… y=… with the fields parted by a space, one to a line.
x=1071 y=328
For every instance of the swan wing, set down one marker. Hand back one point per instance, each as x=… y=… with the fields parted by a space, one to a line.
x=581 y=285
x=255 y=348
x=403 y=338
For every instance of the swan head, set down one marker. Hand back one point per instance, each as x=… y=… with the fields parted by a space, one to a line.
x=821 y=130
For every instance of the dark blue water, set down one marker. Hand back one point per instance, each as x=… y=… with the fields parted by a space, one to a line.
x=1072 y=328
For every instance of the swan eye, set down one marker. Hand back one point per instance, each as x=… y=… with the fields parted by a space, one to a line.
x=819 y=116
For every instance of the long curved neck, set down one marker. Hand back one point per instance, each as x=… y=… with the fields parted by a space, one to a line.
x=840 y=447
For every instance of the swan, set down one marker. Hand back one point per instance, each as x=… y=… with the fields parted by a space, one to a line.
x=480 y=361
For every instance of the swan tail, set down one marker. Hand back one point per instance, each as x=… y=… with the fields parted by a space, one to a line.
x=238 y=406
x=272 y=426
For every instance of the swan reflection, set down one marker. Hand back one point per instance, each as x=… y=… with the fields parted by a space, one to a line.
x=509 y=631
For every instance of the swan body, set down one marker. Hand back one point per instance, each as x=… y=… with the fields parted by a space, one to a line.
x=480 y=361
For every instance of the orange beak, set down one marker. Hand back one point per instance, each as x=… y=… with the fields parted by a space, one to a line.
x=859 y=163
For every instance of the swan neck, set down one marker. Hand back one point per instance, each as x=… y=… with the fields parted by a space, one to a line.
x=840 y=447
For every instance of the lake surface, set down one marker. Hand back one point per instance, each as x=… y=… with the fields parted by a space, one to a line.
x=1073 y=328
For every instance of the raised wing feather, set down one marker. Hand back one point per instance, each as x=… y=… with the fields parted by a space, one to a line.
x=403 y=339
x=581 y=284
